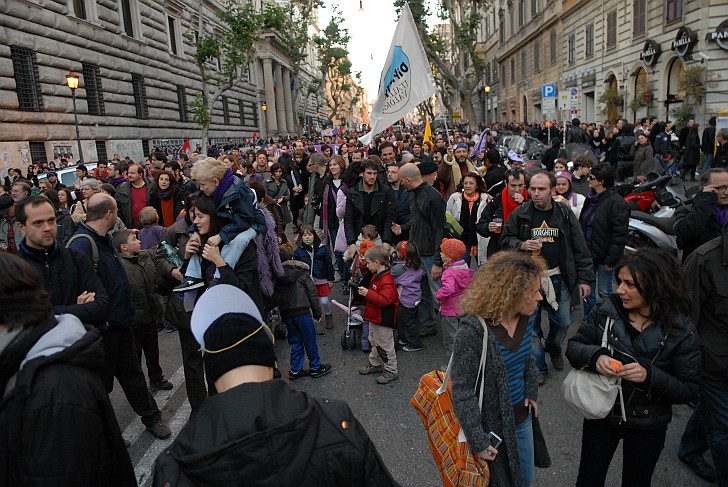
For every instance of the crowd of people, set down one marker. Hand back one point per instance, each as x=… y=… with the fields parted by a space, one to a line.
x=411 y=233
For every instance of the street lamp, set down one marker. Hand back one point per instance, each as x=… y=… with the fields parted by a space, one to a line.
x=486 y=88
x=264 y=128
x=264 y=107
x=72 y=82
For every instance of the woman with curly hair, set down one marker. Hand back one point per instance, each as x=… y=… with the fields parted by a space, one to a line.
x=654 y=351
x=504 y=293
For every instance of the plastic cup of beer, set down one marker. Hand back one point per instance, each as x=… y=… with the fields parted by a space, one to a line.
x=498 y=225
x=537 y=251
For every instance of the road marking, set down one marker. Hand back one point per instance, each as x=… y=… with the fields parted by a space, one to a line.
x=136 y=427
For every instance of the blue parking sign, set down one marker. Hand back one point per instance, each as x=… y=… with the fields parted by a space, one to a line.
x=548 y=90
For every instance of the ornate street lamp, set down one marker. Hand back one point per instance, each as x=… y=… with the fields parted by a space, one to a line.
x=264 y=107
x=72 y=82
x=486 y=88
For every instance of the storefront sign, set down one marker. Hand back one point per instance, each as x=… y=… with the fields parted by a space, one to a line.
x=684 y=42
x=720 y=36
x=650 y=52
x=589 y=81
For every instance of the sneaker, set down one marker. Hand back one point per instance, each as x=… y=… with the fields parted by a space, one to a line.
x=557 y=360
x=189 y=284
x=366 y=350
x=386 y=378
x=411 y=348
x=162 y=384
x=160 y=429
x=322 y=370
x=297 y=375
x=401 y=343
x=369 y=369
x=170 y=328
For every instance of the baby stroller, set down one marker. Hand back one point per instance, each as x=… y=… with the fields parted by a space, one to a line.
x=354 y=319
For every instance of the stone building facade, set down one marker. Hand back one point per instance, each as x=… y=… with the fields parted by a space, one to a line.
x=137 y=80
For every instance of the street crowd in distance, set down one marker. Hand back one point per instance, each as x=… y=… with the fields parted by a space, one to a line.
x=467 y=233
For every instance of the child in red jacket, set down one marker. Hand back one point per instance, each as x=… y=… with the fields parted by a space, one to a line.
x=381 y=310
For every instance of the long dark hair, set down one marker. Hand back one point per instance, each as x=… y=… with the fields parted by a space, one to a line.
x=412 y=258
x=310 y=229
x=205 y=204
x=660 y=281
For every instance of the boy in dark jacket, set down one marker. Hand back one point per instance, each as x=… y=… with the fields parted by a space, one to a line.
x=381 y=310
x=142 y=273
x=297 y=298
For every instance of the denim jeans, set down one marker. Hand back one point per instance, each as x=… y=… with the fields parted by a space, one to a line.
x=599 y=441
x=707 y=162
x=559 y=322
x=426 y=309
x=537 y=343
x=302 y=337
x=599 y=291
x=524 y=440
x=708 y=428
x=230 y=253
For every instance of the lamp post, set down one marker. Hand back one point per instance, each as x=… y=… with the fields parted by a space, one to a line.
x=486 y=88
x=264 y=109
x=72 y=82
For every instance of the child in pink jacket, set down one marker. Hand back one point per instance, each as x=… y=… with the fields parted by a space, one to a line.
x=455 y=278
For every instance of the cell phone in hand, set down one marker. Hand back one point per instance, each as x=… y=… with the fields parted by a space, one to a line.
x=494 y=440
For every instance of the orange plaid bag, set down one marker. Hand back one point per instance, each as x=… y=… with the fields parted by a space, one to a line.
x=459 y=467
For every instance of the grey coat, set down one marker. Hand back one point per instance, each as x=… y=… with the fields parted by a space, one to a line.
x=276 y=192
x=497 y=414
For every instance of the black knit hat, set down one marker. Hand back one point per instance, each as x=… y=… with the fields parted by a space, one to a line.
x=228 y=326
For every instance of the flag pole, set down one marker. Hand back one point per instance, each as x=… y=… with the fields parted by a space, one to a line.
x=444 y=118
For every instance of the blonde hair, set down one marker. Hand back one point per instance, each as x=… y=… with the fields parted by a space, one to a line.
x=377 y=254
x=208 y=169
x=499 y=286
x=148 y=216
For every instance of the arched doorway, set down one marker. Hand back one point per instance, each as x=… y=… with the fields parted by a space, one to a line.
x=641 y=94
x=611 y=99
x=675 y=92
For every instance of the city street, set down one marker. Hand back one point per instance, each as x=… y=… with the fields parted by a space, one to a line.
x=389 y=418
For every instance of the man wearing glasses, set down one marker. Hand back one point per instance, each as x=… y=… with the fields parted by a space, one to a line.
x=703 y=221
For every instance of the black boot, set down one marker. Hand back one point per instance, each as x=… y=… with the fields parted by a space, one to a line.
x=329 y=322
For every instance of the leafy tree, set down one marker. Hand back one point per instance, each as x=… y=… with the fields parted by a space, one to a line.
x=223 y=56
x=336 y=68
x=455 y=59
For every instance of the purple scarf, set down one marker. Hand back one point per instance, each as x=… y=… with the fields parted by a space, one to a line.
x=224 y=185
x=720 y=215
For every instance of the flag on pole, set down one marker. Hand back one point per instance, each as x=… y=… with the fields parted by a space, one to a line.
x=255 y=135
x=406 y=79
x=482 y=144
x=186 y=147
x=428 y=133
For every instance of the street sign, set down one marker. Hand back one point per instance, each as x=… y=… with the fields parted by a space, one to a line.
x=574 y=92
x=548 y=91
x=563 y=100
x=456 y=115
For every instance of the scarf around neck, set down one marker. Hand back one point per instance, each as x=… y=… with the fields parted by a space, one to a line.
x=224 y=185
x=720 y=215
x=509 y=204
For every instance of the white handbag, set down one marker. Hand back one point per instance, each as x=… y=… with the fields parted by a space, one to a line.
x=591 y=394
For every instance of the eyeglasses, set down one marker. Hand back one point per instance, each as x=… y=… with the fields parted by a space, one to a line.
x=720 y=189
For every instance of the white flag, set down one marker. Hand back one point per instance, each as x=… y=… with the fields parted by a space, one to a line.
x=406 y=78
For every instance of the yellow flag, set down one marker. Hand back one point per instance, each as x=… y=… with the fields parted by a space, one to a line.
x=428 y=133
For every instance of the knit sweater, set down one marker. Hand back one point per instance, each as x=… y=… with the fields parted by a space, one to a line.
x=497 y=413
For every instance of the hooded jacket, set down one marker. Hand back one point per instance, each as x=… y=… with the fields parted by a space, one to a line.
x=454 y=281
x=408 y=283
x=285 y=438
x=295 y=291
x=382 y=300
x=670 y=352
x=323 y=268
x=54 y=402
x=143 y=272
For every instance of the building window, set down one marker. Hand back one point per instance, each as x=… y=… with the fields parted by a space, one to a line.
x=537 y=55
x=673 y=11
x=572 y=48
x=553 y=47
x=79 y=9
x=174 y=33
x=145 y=148
x=502 y=22
x=27 y=80
x=225 y=110
x=534 y=7
x=503 y=72
x=512 y=19
x=140 y=96
x=101 y=151
x=638 y=17
x=612 y=29
x=589 y=34
x=494 y=69
x=37 y=152
x=127 y=17
x=513 y=69
x=94 y=90
x=486 y=22
x=524 y=71
x=521 y=13
x=241 y=111
x=182 y=103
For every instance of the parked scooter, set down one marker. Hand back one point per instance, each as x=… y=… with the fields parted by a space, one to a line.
x=651 y=195
x=653 y=230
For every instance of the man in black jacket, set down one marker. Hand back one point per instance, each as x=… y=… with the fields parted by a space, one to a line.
x=700 y=223
x=576 y=134
x=57 y=426
x=604 y=221
x=285 y=436
x=708 y=426
x=542 y=225
x=369 y=202
x=66 y=274
x=120 y=354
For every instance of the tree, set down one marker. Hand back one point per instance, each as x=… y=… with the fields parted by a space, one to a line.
x=336 y=72
x=455 y=59
x=222 y=56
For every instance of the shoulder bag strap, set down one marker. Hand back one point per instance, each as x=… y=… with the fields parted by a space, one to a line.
x=607 y=327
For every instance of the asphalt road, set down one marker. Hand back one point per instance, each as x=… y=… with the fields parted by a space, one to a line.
x=389 y=418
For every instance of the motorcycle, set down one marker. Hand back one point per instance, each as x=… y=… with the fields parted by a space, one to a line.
x=651 y=195
x=653 y=230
